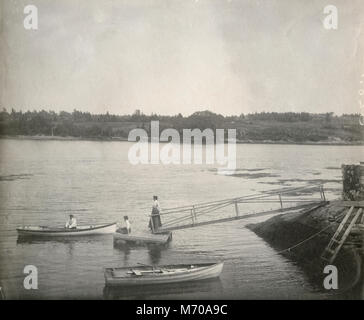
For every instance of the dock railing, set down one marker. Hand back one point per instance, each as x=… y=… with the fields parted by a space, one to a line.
x=202 y=213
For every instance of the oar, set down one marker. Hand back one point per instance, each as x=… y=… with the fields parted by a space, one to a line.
x=139 y=273
x=151 y=266
x=146 y=265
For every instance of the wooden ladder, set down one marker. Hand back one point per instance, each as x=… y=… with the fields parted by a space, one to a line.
x=340 y=235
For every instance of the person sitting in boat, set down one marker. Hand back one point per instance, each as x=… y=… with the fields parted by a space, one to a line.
x=127 y=224
x=71 y=223
x=124 y=229
x=155 y=219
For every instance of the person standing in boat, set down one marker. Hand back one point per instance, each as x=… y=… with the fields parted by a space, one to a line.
x=71 y=223
x=155 y=220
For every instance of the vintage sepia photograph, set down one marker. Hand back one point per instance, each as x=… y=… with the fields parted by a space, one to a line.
x=181 y=150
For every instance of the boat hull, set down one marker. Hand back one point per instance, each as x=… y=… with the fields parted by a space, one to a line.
x=63 y=232
x=197 y=273
x=143 y=238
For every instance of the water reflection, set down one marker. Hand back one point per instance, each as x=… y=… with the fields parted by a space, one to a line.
x=74 y=239
x=124 y=248
x=155 y=254
x=154 y=251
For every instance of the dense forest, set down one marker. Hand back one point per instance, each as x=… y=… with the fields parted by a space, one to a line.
x=264 y=126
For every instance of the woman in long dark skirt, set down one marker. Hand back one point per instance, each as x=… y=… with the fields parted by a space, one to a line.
x=155 y=221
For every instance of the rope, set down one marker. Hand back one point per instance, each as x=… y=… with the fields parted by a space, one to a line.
x=311 y=237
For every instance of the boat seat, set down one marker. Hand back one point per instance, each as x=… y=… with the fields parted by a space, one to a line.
x=136 y=272
x=165 y=271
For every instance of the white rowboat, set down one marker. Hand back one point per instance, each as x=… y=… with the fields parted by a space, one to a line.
x=146 y=275
x=44 y=231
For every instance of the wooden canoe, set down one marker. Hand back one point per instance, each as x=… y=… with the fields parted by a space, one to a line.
x=95 y=229
x=145 y=275
x=143 y=238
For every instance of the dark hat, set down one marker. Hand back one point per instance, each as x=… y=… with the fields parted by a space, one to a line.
x=126 y=217
x=71 y=215
x=155 y=197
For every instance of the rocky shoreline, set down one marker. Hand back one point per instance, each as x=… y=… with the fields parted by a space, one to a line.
x=288 y=230
x=71 y=138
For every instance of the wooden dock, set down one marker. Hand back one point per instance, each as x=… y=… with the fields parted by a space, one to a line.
x=352 y=222
x=143 y=238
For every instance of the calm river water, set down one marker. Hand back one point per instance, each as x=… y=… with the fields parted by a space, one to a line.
x=41 y=182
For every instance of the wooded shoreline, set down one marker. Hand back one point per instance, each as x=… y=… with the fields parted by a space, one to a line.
x=267 y=128
x=122 y=139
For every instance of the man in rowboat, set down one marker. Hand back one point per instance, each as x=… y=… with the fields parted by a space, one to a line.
x=71 y=223
x=155 y=219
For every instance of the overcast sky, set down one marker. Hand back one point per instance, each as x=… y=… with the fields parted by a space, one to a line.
x=171 y=56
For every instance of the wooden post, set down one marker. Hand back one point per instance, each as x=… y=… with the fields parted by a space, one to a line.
x=193 y=219
x=353 y=184
x=194 y=212
x=236 y=208
x=280 y=200
x=323 y=193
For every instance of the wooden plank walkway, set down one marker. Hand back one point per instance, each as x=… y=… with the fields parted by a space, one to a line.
x=201 y=214
x=241 y=217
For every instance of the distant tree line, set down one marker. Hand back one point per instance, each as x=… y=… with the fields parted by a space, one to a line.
x=283 y=117
x=288 y=126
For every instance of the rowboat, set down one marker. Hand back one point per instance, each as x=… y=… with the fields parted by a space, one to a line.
x=143 y=238
x=163 y=291
x=147 y=275
x=45 y=231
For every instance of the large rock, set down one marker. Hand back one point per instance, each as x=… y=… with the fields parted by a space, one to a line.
x=287 y=230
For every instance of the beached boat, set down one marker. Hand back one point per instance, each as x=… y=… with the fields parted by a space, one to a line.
x=143 y=238
x=95 y=229
x=146 y=275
